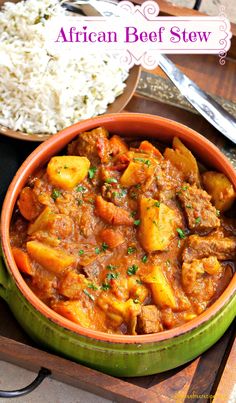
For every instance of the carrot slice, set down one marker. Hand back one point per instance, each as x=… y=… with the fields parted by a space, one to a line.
x=111 y=237
x=22 y=261
x=147 y=147
x=111 y=213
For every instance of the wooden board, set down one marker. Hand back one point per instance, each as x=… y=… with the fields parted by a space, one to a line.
x=200 y=377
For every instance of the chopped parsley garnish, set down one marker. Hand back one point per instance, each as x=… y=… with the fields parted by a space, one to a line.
x=131 y=250
x=138 y=186
x=181 y=233
x=112 y=276
x=81 y=252
x=133 y=214
x=137 y=222
x=198 y=220
x=89 y=295
x=132 y=270
x=157 y=204
x=136 y=301
x=81 y=189
x=218 y=213
x=79 y=202
x=189 y=206
x=55 y=194
x=139 y=282
x=93 y=287
x=105 y=286
x=104 y=246
x=111 y=267
x=111 y=180
x=184 y=187
x=146 y=162
x=91 y=172
x=97 y=250
x=144 y=259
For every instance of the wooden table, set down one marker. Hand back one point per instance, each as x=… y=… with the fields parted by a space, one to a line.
x=212 y=374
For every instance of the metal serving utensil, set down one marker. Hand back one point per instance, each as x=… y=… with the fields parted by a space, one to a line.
x=202 y=102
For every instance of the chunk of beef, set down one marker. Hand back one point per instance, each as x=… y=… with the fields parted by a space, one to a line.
x=87 y=144
x=200 y=247
x=201 y=214
x=86 y=220
x=149 y=320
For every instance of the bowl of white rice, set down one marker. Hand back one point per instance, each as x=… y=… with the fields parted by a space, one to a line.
x=42 y=93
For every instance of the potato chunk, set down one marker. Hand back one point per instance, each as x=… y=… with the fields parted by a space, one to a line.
x=157 y=226
x=67 y=171
x=140 y=168
x=59 y=225
x=51 y=259
x=220 y=188
x=184 y=160
x=162 y=292
x=75 y=311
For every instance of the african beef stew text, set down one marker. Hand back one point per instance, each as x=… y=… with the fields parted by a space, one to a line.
x=121 y=238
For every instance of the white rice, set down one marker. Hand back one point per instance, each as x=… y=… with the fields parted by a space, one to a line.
x=41 y=92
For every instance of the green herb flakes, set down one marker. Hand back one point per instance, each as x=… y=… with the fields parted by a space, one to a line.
x=91 y=172
x=181 y=233
x=55 y=194
x=105 y=286
x=131 y=250
x=144 y=259
x=112 y=276
x=93 y=287
x=197 y=220
x=111 y=267
x=111 y=180
x=104 y=246
x=81 y=189
x=81 y=252
x=137 y=222
x=132 y=270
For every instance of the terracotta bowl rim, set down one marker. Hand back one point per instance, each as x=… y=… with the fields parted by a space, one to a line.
x=21 y=178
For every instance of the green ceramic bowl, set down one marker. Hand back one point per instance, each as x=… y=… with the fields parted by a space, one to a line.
x=114 y=354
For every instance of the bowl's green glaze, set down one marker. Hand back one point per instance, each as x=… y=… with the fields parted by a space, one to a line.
x=118 y=359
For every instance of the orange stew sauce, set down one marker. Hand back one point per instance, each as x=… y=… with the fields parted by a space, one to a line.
x=121 y=238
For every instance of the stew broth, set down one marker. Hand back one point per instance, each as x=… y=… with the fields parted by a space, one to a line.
x=125 y=239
